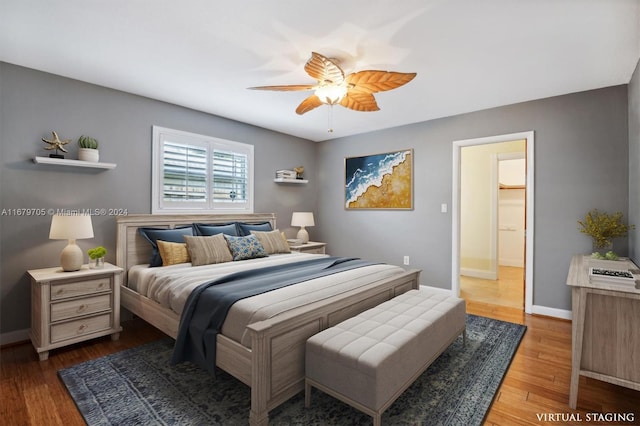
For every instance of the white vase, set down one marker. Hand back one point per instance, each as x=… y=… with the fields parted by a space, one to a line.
x=88 y=154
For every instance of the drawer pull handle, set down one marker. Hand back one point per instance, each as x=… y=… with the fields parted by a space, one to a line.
x=82 y=328
x=60 y=291
x=101 y=285
x=82 y=308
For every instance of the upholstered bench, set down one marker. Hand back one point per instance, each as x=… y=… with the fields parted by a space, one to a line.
x=368 y=361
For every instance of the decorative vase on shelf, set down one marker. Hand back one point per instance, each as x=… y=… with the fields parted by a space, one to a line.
x=88 y=149
x=98 y=263
x=89 y=154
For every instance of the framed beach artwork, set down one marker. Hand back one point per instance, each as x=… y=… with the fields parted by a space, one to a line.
x=379 y=181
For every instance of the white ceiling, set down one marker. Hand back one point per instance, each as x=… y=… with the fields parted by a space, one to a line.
x=203 y=54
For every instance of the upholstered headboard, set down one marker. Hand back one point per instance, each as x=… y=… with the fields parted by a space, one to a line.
x=132 y=249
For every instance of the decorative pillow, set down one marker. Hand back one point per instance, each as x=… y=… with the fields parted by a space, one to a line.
x=172 y=235
x=203 y=229
x=173 y=253
x=272 y=241
x=246 y=228
x=208 y=250
x=243 y=248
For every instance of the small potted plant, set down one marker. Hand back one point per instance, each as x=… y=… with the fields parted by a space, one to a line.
x=97 y=254
x=88 y=149
x=603 y=228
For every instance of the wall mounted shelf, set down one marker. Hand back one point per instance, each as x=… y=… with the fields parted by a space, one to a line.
x=298 y=181
x=73 y=163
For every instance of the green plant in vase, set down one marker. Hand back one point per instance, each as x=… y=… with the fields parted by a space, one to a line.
x=97 y=255
x=88 y=149
x=603 y=228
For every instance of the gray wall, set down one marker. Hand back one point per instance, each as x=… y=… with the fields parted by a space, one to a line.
x=581 y=142
x=634 y=164
x=581 y=147
x=33 y=104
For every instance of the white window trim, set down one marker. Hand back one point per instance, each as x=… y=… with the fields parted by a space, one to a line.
x=157 y=170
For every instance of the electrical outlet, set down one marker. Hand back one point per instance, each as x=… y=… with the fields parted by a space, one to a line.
x=406 y=260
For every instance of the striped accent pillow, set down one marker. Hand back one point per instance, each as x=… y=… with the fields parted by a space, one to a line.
x=208 y=250
x=272 y=241
x=173 y=253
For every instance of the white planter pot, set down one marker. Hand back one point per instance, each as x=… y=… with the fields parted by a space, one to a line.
x=88 y=154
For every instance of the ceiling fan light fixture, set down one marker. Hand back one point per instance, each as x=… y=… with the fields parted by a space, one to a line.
x=331 y=94
x=353 y=91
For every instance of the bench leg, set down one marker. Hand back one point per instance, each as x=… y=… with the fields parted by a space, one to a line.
x=307 y=394
x=377 y=420
x=464 y=337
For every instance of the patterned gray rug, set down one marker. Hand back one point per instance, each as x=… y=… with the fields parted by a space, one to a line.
x=138 y=387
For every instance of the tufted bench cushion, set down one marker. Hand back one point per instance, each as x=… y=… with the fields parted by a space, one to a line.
x=367 y=361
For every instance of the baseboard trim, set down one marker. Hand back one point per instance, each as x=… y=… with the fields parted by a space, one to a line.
x=517 y=263
x=479 y=273
x=14 y=337
x=551 y=312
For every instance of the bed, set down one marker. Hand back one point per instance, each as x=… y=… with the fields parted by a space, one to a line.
x=270 y=356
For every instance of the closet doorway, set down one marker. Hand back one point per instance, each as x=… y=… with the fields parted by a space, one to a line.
x=492 y=212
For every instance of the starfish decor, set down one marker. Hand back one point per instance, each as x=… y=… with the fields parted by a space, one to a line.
x=56 y=144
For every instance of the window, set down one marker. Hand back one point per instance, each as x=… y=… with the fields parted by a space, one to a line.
x=200 y=174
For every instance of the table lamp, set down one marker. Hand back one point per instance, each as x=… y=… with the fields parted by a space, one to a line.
x=72 y=228
x=302 y=219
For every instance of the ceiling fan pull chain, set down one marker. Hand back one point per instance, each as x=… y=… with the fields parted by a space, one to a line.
x=330 y=119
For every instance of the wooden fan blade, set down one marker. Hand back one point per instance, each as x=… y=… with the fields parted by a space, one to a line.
x=290 y=88
x=373 y=81
x=323 y=69
x=360 y=101
x=308 y=104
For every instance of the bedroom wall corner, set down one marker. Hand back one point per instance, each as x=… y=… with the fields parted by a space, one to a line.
x=634 y=164
x=34 y=103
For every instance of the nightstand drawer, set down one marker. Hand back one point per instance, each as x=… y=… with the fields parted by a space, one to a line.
x=79 y=288
x=75 y=308
x=314 y=251
x=73 y=329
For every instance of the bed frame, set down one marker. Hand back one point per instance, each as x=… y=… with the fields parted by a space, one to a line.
x=274 y=367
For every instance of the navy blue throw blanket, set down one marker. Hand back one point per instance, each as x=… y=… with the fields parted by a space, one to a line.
x=207 y=306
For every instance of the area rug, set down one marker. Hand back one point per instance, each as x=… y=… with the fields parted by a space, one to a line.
x=138 y=387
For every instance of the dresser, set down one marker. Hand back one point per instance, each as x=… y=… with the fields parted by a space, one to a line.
x=605 y=325
x=71 y=307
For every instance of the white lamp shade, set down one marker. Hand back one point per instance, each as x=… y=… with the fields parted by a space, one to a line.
x=302 y=219
x=70 y=227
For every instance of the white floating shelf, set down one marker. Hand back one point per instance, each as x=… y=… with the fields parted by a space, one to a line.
x=282 y=180
x=73 y=163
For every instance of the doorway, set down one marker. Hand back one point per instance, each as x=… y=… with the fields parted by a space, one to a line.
x=479 y=258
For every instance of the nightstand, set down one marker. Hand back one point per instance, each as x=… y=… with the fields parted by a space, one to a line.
x=310 y=247
x=71 y=307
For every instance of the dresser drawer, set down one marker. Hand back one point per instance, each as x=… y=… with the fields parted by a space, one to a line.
x=78 y=307
x=81 y=327
x=79 y=288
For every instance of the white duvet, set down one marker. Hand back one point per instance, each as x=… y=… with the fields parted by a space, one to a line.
x=170 y=286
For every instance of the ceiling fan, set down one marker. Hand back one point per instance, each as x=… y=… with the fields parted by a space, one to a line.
x=354 y=91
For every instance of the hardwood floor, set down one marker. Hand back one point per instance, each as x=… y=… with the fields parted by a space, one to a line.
x=507 y=290
x=32 y=393
x=535 y=389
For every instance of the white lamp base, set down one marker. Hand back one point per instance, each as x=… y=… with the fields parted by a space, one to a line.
x=303 y=235
x=71 y=257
